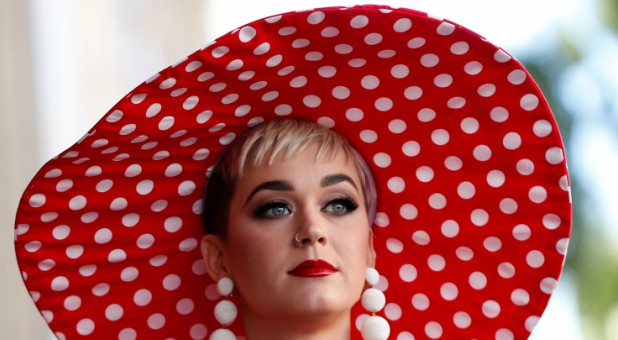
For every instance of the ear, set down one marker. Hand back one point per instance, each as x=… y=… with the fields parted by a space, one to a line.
x=212 y=248
x=371 y=254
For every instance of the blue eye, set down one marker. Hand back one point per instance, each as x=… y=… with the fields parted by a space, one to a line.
x=341 y=206
x=272 y=210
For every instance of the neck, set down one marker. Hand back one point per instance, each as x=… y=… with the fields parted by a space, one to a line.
x=292 y=327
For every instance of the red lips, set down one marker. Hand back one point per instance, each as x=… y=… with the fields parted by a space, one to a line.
x=313 y=268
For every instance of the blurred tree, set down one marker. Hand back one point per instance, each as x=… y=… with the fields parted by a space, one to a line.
x=590 y=256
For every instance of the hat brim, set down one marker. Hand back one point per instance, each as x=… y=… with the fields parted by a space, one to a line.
x=473 y=214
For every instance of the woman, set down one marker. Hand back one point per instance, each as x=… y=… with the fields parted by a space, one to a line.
x=471 y=222
x=287 y=212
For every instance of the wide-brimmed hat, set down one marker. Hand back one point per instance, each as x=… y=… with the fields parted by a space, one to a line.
x=473 y=213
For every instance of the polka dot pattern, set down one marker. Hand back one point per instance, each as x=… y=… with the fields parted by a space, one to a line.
x=473 y=195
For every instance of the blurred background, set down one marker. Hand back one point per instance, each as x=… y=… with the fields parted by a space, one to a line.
x=64 y=63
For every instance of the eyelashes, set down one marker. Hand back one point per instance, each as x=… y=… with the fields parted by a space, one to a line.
x=279 y=209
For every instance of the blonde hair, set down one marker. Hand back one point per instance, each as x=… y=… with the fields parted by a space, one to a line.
x=264 y=143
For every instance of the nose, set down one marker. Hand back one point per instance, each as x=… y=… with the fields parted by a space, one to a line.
x=310 y=230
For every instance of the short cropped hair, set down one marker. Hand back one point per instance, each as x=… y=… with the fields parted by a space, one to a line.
x=264 y=143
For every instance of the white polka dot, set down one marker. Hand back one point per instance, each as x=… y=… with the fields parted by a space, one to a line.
x=77 y=203
x=408 y=211
x=114 y=312
x=145 y=187
x=411 y=148
x=74 y=251
x=104 y=185
x=421 y=237
x=186 y=188
x=529 y=102
x=101 y=289
x=383 y=104
x=127 y=334
x=87 y=270
x=537 y=194
x=430 y=60
x=491 y=308
x=173 y=224
x=466 y=190
x=118 y=203
x=495 y=178
x=368 y=136
x=416 y=42
x=450 y=228
x=382 y=220
x=382 y=159
x=554 y=155
x=400 y=71
x=548 y=285
x=413 y=92
x=499 y=114
x=440 y=137
x=341 y=92
x=424 y=174
x=516 y=77
x=460 y=48
x=61 y=232
x=129 y=274
x=315 y=17
x=535 y=259
x=343 y=49
x=33 y=246
x=456 y=102
x=274 y=60
x=464 y=253
x=402 y=25
x=436 y=262
x=142 y=297
x=469 y=125
x=486 y=90
x=511 y=141
x=130 y=220
x=85 y=326
x=506 y=270
x=114 y=116
x=156 y=321
x=59 y=284
x=433 y=330
x=521 y=232
x=477 y=280
x=46 y=265
x=190 y=103
x=437 y=201
x=288 y=30
x=145 y=241
x=72 y=303
x=462 y=320
x=446 y=28
x=220 y=51
x=116 y=255
x=185 y=306
x=205 y=76
x=453 y=163
x=198 y=332
x=449 y=291
x=166 y=123
x=492 y=244
x=479 y=217
x=359 y=21
x=420 y=301
x=408 y=273
x=396 y=185
x=392 y=311
x=504 y=334
x=501 y=56
x=520 y=297
x=370 y=82
x=525 y=167
x=187 y=244
x=397 y=126
x=394 y=246
x=542 y=128
x=171 y=282
x=283 y=110
x=443 y=80
x=531 y=323
x=357 y=62
x=354 y=114
x=508 y=206
x=312 y=101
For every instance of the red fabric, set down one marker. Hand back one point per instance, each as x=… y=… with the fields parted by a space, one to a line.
x=473 y=208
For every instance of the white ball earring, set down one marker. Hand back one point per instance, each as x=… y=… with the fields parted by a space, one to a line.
x=225 y=311
x=373 y=300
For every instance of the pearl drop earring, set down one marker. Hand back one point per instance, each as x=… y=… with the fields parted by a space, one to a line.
x=373 y=300
x=225 y=311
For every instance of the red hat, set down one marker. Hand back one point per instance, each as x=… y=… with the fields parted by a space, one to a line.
x=473 y=213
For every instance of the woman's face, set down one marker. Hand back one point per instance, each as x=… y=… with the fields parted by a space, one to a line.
x=283 y=218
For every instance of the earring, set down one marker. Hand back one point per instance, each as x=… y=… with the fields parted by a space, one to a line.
x=225 y=311
x=373 y=300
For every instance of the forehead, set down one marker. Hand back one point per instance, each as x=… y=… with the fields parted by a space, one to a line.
x=301 y=166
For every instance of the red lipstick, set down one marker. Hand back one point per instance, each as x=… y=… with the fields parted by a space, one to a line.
x=313 y=268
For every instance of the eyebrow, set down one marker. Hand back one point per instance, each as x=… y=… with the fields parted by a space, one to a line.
x=271 y=185
x=337 y=178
